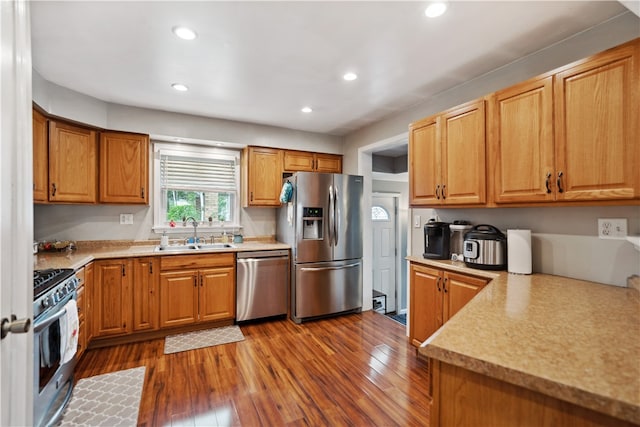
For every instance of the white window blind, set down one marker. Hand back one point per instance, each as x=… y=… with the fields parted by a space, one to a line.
x=201 y=174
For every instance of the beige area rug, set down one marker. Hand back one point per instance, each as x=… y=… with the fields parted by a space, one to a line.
x=201 y=339
x=106 y=400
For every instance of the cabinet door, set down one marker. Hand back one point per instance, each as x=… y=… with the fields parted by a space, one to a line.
x=264 y=182
x=458 y=290
x=124 y=168
x=178 y=298
x=596 y=113
x=145 y=294
x=81 y=300
x=522 y=143
x=72 y=163
x=463 y=155
x=425 y=311
x=40 y=158
x=112 y=292
x=424 y=162
x=328 y=163
x=298 y=161
x=89 y=303
x=217 y=294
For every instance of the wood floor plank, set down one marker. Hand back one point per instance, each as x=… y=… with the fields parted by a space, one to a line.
x=349 y=370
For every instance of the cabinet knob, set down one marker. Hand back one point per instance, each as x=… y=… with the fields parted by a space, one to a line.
x=438 y=283
x=444 y=286
x=54 y=189
x=438 y=193
x=444 y=194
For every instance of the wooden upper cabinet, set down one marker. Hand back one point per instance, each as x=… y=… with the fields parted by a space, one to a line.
x=521 y=147
x=40 y=157
x=596 y=126
x=304 y=161
x=424 y=161
x=298 y=161
x=463 y=155
x=447 y=157
x=124 y=168
x=262 y=169
x=328 y=163
x=72 y=163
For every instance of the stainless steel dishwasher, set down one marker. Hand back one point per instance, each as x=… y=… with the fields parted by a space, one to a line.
x=262 y=284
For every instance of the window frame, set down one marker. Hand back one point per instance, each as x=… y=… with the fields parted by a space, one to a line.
x=182 y=149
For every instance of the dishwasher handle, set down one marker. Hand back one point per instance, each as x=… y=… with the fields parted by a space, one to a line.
x=263 y=254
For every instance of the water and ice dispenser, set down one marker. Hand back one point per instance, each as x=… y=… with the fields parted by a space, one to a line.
x=312 y=223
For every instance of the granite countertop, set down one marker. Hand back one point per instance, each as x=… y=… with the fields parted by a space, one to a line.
x=87 y=253
x=574 y=340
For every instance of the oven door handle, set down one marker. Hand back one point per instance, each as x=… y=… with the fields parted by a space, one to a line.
x=40 y=326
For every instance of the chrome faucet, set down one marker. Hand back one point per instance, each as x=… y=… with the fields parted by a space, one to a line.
x=195 y=227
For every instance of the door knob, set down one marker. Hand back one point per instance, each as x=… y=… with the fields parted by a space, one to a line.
x=14 y=325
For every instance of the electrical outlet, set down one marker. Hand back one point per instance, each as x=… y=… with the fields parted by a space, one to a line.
x=416 y=221
x=126 y=219
x=612 y=228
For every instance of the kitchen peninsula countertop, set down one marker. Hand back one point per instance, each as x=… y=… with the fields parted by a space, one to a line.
x=574 y=340
x=89 y=252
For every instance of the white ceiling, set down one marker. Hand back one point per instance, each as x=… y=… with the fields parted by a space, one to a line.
x=262 y=61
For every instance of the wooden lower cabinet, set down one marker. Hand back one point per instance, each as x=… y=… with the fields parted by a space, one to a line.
x=464 y=398
x=217 y=294
x=201 y=294
x=437 y=295
x=112 y=314
x=145 y=294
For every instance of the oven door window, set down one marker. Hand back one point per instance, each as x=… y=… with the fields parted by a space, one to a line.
x=49 y=344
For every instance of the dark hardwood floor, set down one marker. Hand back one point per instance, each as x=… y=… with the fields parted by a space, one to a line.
x=355 y=369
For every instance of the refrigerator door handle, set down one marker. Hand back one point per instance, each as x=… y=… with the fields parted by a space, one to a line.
x=342 y=267
x=332 y=215
x=335 y=215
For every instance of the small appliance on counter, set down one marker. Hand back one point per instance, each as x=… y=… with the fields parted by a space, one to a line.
x=437 y=236
x=458 y=229
x=485 y=248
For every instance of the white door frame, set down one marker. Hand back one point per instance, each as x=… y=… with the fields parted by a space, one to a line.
x=16 y=211
x=365 y=169
x=398 y=239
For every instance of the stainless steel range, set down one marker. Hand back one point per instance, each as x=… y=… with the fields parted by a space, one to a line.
x=53 y=380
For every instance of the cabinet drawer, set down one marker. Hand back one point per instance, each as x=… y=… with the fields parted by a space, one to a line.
x=80 y=275
x=196 y=261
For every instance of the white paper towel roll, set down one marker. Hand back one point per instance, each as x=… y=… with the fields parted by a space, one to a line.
x=519 y=251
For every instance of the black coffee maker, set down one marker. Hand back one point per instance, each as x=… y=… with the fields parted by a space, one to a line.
x=436 y=240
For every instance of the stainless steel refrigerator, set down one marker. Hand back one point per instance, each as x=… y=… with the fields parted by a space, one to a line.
x=323 y=224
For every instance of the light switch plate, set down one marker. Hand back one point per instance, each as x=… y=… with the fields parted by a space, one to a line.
x=416 y=221
x=126 y=219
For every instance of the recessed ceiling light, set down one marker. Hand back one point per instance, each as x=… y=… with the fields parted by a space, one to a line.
x=184 y=33
x=180 y=87
x=350 y=76
x=306 y=109
x=435 y=9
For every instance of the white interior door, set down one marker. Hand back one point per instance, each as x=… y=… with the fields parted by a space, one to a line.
x=383 y=217
x=16 y=212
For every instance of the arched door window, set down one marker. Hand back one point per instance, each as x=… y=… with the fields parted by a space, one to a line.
x=379 y=213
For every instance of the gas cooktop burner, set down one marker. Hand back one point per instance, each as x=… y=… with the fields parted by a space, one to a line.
x=43 y=280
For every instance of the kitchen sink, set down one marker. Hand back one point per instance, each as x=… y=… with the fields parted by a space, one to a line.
x=185 y=248
x=176 y=248
x=215 y=246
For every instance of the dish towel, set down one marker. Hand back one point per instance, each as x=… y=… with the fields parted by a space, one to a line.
x=69 y=332
x=286 y=193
